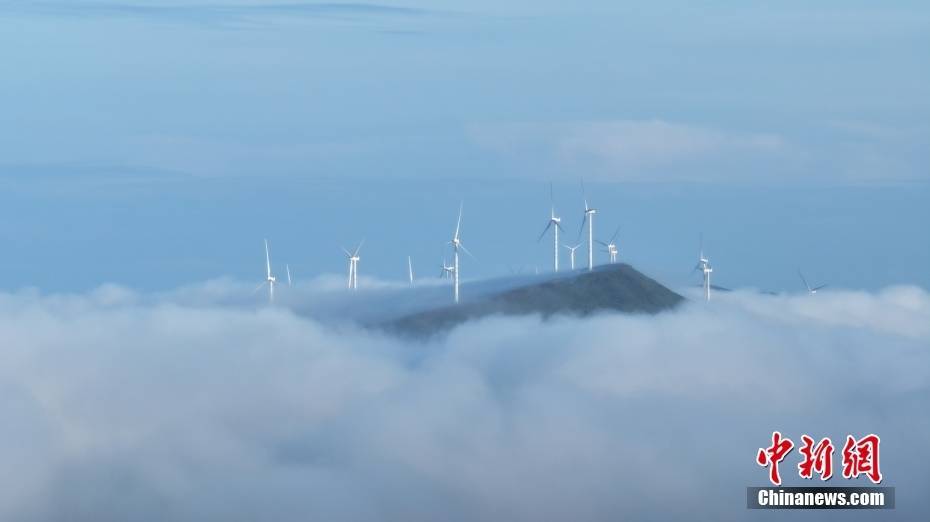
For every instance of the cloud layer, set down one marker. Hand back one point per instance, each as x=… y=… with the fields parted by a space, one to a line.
x=212 y=12
x=659 y=150
x=128 y=407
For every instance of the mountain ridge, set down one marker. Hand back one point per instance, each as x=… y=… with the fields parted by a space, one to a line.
x=617 y=287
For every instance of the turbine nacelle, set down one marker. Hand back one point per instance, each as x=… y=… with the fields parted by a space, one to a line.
x=704 y=266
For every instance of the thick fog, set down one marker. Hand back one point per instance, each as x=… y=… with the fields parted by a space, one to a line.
x=193 y=405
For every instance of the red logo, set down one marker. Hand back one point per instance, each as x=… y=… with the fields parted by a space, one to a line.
x=817 y=459
x=860 y=457
x=774 y=454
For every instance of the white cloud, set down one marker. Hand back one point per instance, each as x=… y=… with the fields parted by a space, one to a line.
x=631 y=144
x=656 y=150
x=125 y=406
x=640 y=150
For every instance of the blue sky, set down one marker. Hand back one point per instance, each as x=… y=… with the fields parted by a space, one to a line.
x=154 y=144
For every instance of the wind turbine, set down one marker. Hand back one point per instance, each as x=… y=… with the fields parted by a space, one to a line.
x=410 y=269
x=353 y=258
x=589 y=217
x=572 y=250
x=269 y=278
x=553 y=220
x=703 y=265
x=611 y=246
x=446 y=270
x=810 y=291
x=456 y=245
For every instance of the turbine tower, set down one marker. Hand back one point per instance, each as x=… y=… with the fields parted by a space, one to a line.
x=269 y=278
x=456 y=245
x=572 y=250
x=810 y=291
x=589 y=217
x=353 y=258
x=553 y=220
x=704 y=266
x=611 y=246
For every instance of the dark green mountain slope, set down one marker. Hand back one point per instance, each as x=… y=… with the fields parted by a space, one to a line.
x=617 y=287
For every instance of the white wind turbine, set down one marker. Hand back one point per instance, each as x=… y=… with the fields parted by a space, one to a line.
x=572 y=249
x=353 y=258
x=553 y=220
x=611 y=246
x=446 y=270
x=810 y=291
x=703 y=265
x=589 y=217
x=456 y=245
x=269 y=278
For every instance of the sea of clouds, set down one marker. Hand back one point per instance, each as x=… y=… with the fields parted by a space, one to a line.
x=194 y=405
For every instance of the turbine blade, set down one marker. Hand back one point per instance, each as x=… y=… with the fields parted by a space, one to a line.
x=259 y=287
x=458 y=224
x=584 y=195
x=288 y=268
x=267 y=258
x=581 y=229
x=615 y=235
x=359 y=246
x=804 y=281
x=348 y=254
x=551 y=201
x=544 y=232
x=819 y=287
x=467 y=252
x=601 y=242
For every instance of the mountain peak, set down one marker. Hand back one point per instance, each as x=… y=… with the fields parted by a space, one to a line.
x=618 y=287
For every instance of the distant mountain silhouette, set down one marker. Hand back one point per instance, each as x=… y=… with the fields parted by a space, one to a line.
x=617 y=287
